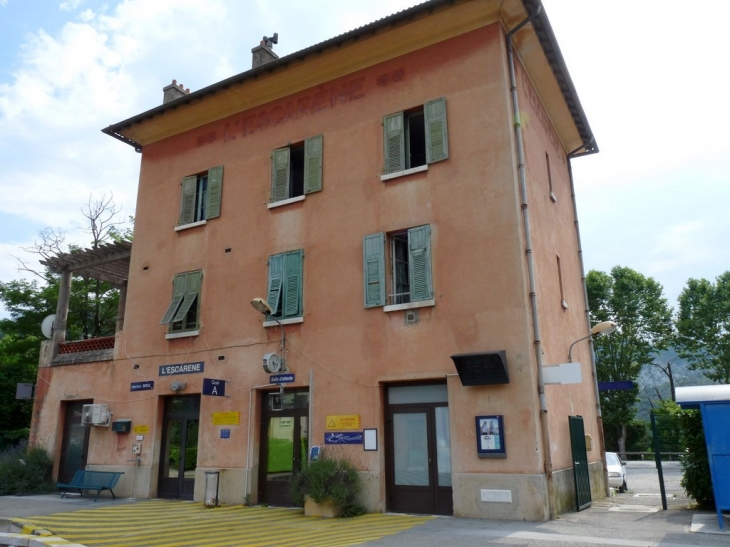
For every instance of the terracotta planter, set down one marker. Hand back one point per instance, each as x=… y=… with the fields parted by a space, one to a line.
x=314 y=509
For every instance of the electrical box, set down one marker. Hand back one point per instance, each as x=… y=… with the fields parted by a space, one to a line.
x=122 y=426
x=95 y=415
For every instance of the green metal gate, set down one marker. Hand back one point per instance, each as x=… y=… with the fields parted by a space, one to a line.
x=581 y=475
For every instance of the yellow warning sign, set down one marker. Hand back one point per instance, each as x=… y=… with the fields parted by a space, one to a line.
x=141 y=429
x=226 y=418
x=344 y=422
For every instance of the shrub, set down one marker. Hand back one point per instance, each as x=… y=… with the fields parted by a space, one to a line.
x=329 y=480
x=696 y=479
x=25 y=470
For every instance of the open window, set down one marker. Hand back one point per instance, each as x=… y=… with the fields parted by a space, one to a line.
x=201 y=196
x=416 y=137
x=183 y=313
x=397 y=267
x=296 y=170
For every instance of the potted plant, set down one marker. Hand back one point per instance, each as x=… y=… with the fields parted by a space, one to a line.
x=327 y=487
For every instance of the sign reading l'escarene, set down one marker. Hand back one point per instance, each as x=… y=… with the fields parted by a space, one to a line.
x=182 y=368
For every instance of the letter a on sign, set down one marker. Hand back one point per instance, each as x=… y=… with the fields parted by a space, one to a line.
x=215 y=388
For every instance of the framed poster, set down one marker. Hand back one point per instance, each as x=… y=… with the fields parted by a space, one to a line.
x=490 y=437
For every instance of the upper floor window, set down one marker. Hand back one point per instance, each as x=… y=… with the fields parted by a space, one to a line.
x=201 y=196
x=183 y=313
x=397 y=267
x=416 y=137
x=296 y=169
x=285 y=284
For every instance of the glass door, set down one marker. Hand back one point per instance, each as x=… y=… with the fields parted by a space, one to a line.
x=75 y=444
x=284 y=445
x=418 y=451
x=179 y=447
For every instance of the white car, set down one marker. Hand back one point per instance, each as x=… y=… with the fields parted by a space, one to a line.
x=616 y=471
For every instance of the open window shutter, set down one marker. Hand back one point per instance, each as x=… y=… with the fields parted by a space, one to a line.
x=187 y=203
x=419 y=264
x=394 y=142
x=215 y=187
x=280 y=174
x=373 y=247
x=293 y=284
x=192 y=290
x=276 y=278
x=178 y=294
x=313 y=164
x=437 y=143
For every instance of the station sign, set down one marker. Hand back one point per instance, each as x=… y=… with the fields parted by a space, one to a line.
x=182 y=368
x=281 y=378
x=141 y=386
x=215 y=388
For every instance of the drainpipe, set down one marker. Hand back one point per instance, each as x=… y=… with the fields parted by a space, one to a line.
x=589 y=149
x=530 y=264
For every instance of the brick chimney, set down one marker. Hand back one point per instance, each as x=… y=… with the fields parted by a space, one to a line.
x=263 y=53
x=173 y=91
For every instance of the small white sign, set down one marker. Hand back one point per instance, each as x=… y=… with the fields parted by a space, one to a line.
x=564 y=373
x=499 y=496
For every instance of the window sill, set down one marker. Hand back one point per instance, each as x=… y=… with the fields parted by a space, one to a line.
x=285 y=202
x=191 y=225
x=410 y=305
x=403 y=173
x=186 y=334
x=290 y=321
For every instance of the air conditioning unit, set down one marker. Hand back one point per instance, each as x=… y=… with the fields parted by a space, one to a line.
x=95 y=415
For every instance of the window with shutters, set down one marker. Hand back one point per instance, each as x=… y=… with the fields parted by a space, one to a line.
x=415 y=138
x=183 y=313
x=296 y=170
x=397 y=269
x=285 y=284
x=201 y=197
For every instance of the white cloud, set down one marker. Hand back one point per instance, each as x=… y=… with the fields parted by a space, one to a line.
x=70 y=5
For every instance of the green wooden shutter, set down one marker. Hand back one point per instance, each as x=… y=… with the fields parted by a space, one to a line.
x=292 y=284
x=394 y=143
x=419 y=263
x=437 y=142
x=192 y=291
x=313 y=164
x=187 y=202
x=280 y=174
x=178 y=294
x=276 y=278
x=215 y=188
x=373 y=247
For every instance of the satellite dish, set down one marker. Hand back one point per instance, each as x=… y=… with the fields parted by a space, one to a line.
x=47 y=325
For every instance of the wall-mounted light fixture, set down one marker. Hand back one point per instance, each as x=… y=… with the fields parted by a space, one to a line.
x=262 y=306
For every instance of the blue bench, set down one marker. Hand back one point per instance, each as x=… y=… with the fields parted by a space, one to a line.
x=92 y=480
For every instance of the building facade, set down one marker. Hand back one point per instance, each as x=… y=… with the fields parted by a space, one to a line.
x=399 y=202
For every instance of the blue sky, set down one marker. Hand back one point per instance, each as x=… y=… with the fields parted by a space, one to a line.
x=651 y=75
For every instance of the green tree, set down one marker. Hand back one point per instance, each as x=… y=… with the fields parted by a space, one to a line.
x=636 y=303
x=703 y=325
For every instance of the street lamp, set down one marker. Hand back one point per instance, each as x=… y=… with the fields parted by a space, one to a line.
x=261 y=305
x=604 y=327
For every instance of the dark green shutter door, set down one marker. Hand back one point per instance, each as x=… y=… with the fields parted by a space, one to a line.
x=280 y=174
x=437 y=142
x=373 y=248
x=394 y=143
x=187 y=201
x=192 y=290
x=178 y=294
x=419 y=263
x=215 y=188
x=276 y=278
x=581 y=473
x=292 y=284
x=313 y=164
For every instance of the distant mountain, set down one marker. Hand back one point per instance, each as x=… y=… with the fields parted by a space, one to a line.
x=653 y=379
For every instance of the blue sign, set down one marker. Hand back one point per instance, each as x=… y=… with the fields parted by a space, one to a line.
x=281 y=378
x=216 y=388
x=182 y=368
x=608 y=386
x=346 y=437
x=314 y=453
x=141 y=386
x=225 y=433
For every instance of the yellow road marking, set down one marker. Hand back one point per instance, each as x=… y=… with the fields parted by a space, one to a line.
x=176 y=524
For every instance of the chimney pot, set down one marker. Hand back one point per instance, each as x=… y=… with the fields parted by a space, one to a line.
x=263 y=53
x=173 y=91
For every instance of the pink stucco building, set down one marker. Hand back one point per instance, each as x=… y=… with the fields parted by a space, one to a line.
x=401 y=197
